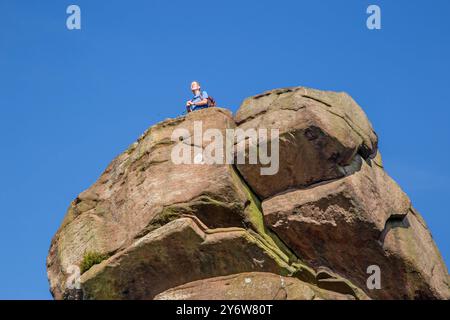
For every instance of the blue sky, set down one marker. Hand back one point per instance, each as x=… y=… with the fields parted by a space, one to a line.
x=70 y=101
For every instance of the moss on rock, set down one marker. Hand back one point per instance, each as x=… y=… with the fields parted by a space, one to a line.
x=90 y=259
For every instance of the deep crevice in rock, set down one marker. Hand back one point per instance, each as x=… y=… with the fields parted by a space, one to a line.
x=303 y=271
x=244 y=181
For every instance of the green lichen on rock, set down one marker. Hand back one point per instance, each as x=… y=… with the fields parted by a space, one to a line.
x=90 y=259
x=167 y=215
x=254 y=217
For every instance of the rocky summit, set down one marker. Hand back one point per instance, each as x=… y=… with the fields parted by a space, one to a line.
x=321 y=227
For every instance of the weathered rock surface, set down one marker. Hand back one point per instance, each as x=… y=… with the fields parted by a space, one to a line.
x=194 y=231
x=250 y=286
x=361 y=220
x=320 y=134
x=178 y=252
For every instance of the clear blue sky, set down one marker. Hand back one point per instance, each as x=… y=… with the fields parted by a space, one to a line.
x=70 y=101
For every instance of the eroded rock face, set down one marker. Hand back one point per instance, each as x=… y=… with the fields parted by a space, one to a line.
x=250 y=286
x=141 y=190
x=320 y=134
x=178 y=252
x=361 y=220
x=195 y=231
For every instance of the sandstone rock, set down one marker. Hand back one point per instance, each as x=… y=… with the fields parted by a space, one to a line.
x=179 y=252
x=320 y=134
x=363 y=219
x=250 y=286
x=149 y=228
x=142 y=189
x=424 y=272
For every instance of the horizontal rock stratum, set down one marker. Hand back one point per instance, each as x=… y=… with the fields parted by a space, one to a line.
x=152 y=229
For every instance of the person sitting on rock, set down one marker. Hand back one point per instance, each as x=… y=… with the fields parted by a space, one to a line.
x=199 y=100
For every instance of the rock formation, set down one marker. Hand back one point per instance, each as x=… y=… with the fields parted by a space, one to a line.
x=152 y=229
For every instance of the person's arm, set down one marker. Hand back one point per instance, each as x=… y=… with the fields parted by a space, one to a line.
x=189 y=104
x=204 y=101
